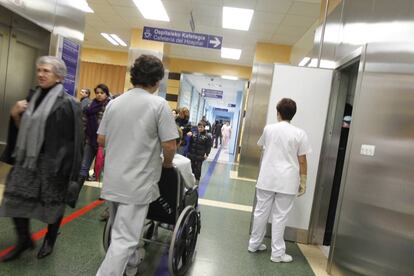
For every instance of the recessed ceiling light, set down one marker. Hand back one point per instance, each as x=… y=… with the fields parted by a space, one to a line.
x=110 y=39
x=230 y=53
x=81 y=5
x=119 y=40
x=304 y=61
x=152 y=9
x=227 y=77
x=236 y=18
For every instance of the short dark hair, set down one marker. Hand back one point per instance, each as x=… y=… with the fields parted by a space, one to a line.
x=201 y=123
x=147 y=71
x=286 y=108
x=103 y=87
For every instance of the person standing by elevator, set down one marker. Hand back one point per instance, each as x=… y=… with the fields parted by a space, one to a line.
x=45 y=148
x=282 y=176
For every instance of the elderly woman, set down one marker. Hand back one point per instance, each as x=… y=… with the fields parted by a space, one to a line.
x=44 y=147
x=92 y=118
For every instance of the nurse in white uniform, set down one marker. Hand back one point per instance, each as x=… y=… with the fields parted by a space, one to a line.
x=282 y=177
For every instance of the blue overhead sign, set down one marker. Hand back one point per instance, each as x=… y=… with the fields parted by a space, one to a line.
x=210 y=93
x=184 y=38
x=221 y=109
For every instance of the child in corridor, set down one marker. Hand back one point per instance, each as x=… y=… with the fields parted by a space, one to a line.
x=199 y=149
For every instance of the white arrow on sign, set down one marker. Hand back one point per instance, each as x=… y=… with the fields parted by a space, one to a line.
x=216 y=42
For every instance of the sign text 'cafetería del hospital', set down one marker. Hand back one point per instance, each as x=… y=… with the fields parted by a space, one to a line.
x=184 y=38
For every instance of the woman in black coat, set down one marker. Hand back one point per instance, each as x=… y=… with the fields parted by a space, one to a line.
x=46 y=154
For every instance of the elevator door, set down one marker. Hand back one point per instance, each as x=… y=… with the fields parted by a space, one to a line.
x=21 y=44
x=4 y=53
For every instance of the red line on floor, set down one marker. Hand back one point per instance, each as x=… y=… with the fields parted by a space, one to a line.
x=41 y=233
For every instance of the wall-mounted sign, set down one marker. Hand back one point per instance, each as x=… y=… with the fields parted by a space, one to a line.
x=211 y=93
x=184 y=38
x=221 y=109
x=231 y=105
x=69 y=52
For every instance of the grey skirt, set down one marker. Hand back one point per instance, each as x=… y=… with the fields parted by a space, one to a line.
x=36 y=194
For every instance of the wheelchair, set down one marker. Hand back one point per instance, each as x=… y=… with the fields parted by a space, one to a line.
x=176 y=210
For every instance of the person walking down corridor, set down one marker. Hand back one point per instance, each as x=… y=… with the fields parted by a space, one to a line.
x=199 y=149
x=226 y=132
x=92 y=118
x=45 y=147
x=217 y=133
x=133 y=141
x=282 y=176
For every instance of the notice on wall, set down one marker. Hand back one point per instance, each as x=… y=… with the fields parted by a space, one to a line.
x=69 y=52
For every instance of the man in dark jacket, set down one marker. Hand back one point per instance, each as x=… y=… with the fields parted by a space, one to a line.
x=217 y=132
x=199 y=149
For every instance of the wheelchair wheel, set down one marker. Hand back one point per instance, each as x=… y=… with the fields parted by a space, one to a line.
x=183 y=241
x=107 y=235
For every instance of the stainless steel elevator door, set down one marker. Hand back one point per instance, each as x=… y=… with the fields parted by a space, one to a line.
x=22 y=42
x=4 y=53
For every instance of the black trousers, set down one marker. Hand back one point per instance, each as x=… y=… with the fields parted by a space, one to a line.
x=196 y=168
x=23 y=229
x=216 y=141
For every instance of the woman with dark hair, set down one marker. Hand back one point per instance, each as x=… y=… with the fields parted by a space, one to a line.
x=92 y=118
x=44 y=146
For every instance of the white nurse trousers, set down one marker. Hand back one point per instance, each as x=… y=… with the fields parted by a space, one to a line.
x=274 y=207
x=128 y=221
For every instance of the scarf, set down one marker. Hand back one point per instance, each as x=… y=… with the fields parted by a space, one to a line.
x=32 y=127
x=92 y=120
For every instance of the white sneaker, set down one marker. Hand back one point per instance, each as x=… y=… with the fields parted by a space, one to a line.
x=282 y=259
x=262 y=247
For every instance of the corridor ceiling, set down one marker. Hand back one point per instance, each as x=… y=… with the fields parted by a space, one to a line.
x=274 y=21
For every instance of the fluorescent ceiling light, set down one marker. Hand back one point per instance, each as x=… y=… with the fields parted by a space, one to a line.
x=152 y=9
x=118 y=39
x=230 y=53
x=81 y=5
x=238 y=19
x=227 y=77
x=304 y=61
x=313 y=63
x=110 y=39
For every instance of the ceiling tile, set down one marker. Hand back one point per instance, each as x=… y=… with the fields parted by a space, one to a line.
x=207 y=11
x=127 y=13
x=174 y=6
x=93 y=20
x=208 y=20
x=243 y=4
x=208 y=2
x=267 y=17
x=297 y=20
x=274 y=21
x=306 y=9
x=287 y=40
x=125 y=3
x=290 y=30
x=279 y=6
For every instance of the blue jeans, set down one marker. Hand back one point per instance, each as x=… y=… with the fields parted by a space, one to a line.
x=89 y=153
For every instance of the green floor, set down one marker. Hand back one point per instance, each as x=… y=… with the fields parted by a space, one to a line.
x=221 y=247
